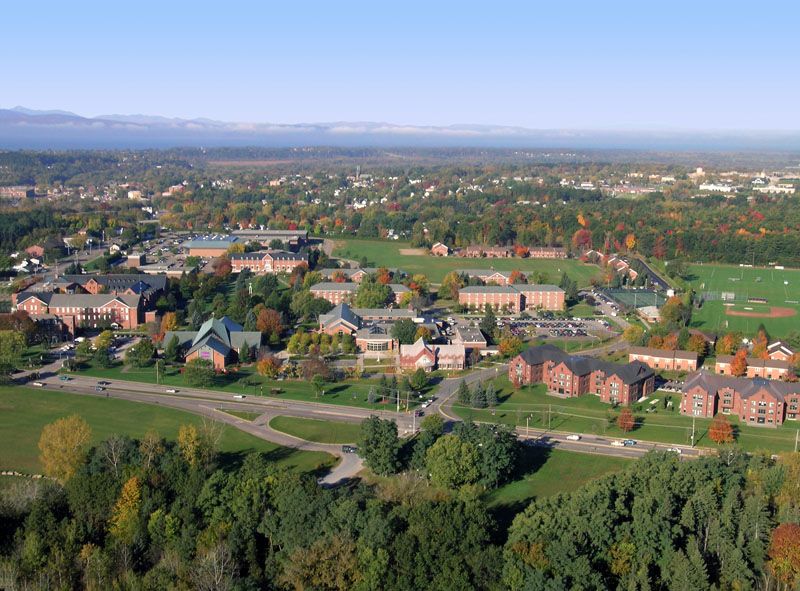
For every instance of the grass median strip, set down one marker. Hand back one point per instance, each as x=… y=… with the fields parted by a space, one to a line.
x=316 y=430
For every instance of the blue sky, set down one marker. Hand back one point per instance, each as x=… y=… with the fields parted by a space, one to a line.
x=575 y=65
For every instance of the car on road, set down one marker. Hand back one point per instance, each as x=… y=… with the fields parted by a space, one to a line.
x=349 y=449
x=99 y=388
x=103 y=383
x=574 y=437
x=629 y=442
x=617 y=443
x=171 y=391
x=240 y=396
x=38 y=384
x=65 y=378
x=675 y=450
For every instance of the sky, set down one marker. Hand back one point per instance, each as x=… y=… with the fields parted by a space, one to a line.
x=603 y=65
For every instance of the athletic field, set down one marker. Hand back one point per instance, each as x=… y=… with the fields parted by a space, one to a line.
x=402 y=256
x=741 y=298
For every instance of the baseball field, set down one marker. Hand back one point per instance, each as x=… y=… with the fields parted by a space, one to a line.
x=741 y=298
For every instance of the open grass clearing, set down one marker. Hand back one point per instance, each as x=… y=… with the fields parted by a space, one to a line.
x=316 y=430
x=388 y=253
x=24 y=411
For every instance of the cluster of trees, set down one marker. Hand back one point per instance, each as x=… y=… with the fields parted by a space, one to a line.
x=470 y=455
x=150 y=513
x=314 y=343
x=664 y=524
x=480 y=396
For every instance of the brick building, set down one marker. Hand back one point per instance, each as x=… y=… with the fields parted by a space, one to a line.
x=569 y=376
x=488 y=276
x=335 y=293
x=209 y=246
x=267 y=261
x=219 y=340
x=666 y=360
x=440 y=250
x=756 y=401
x=547 y=252
x=430 y=356
x=780 y=351
x=148 y=287
x=83 y=310
x=513 y=298
x=770 y=369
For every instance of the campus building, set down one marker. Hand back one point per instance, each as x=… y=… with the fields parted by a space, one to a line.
x=209 y=246
x=335 y=293
x=82 y=310
x=147 y=287
x=771 y=369
x=219 y=340
x=267 y=261
x=513 y=298
x=569 y=376
x=665 y=360
x=756 y=401
x=547 y=252
x=428 y=357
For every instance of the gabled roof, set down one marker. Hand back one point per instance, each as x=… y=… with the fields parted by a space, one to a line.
x=340 y=313
x=418 y=348
x=331 y=286
x=746 y=387
x=629 y=373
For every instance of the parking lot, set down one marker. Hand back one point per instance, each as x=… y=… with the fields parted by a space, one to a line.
x=576 y=328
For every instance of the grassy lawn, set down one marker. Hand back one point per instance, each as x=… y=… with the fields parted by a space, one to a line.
x=246 y=381
x=588 y=415
x=24 y=411
x=778 y=286
x=387 y=253
x=581 y=311
x=547 y=472
x=315 y=430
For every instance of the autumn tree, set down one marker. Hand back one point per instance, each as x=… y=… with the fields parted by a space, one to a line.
x=784 y=554
x=168 y=322
x=222 y=266
x=269 y=322
x=633 y=334
x=125 y=515
x=739 y=363
x=760 y=343
x=63 y=444
x=269 y=366
x=451 y=283
x=697 y=343
x=517 y=277
x=510 y=345
x=630 y=242
x=721 y=431
x=728 y=343
x=625 y=420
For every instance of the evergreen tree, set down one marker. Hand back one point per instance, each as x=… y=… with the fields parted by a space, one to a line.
x=490 y=394
x=463 y=393
x=250 y=321
x=478 y=396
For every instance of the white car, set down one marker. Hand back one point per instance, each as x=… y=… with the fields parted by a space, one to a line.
x=675 y=450
x=617 y=443
x=239 y=396
x=171 y=391
x=574 y=437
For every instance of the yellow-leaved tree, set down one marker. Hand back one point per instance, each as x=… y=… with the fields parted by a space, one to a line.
x=63 y=446
x=125 y=516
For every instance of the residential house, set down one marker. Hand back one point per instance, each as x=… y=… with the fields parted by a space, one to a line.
x=440 y=250
x=780 y=351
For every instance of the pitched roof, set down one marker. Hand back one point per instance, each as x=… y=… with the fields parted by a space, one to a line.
x=663 y=353
x=342 y=312
x=79 y=300
x=746 y=387
x=116 y=282
x=629 y=373
x=331 y=286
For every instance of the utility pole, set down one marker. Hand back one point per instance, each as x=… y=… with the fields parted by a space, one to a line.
x=693 y=422
x=796 y=438
x=527 y=429
x=549 y=413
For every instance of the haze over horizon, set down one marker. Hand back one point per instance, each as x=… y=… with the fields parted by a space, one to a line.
x=690 y=67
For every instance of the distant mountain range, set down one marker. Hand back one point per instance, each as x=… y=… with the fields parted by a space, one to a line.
x=27 y=128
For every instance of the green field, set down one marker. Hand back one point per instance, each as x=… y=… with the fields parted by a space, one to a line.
x=24 y=411
x=318 y=431
x=547 y=472
x=589 y=415
x=746 y=282
x=387 y=253
x=245 y=381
